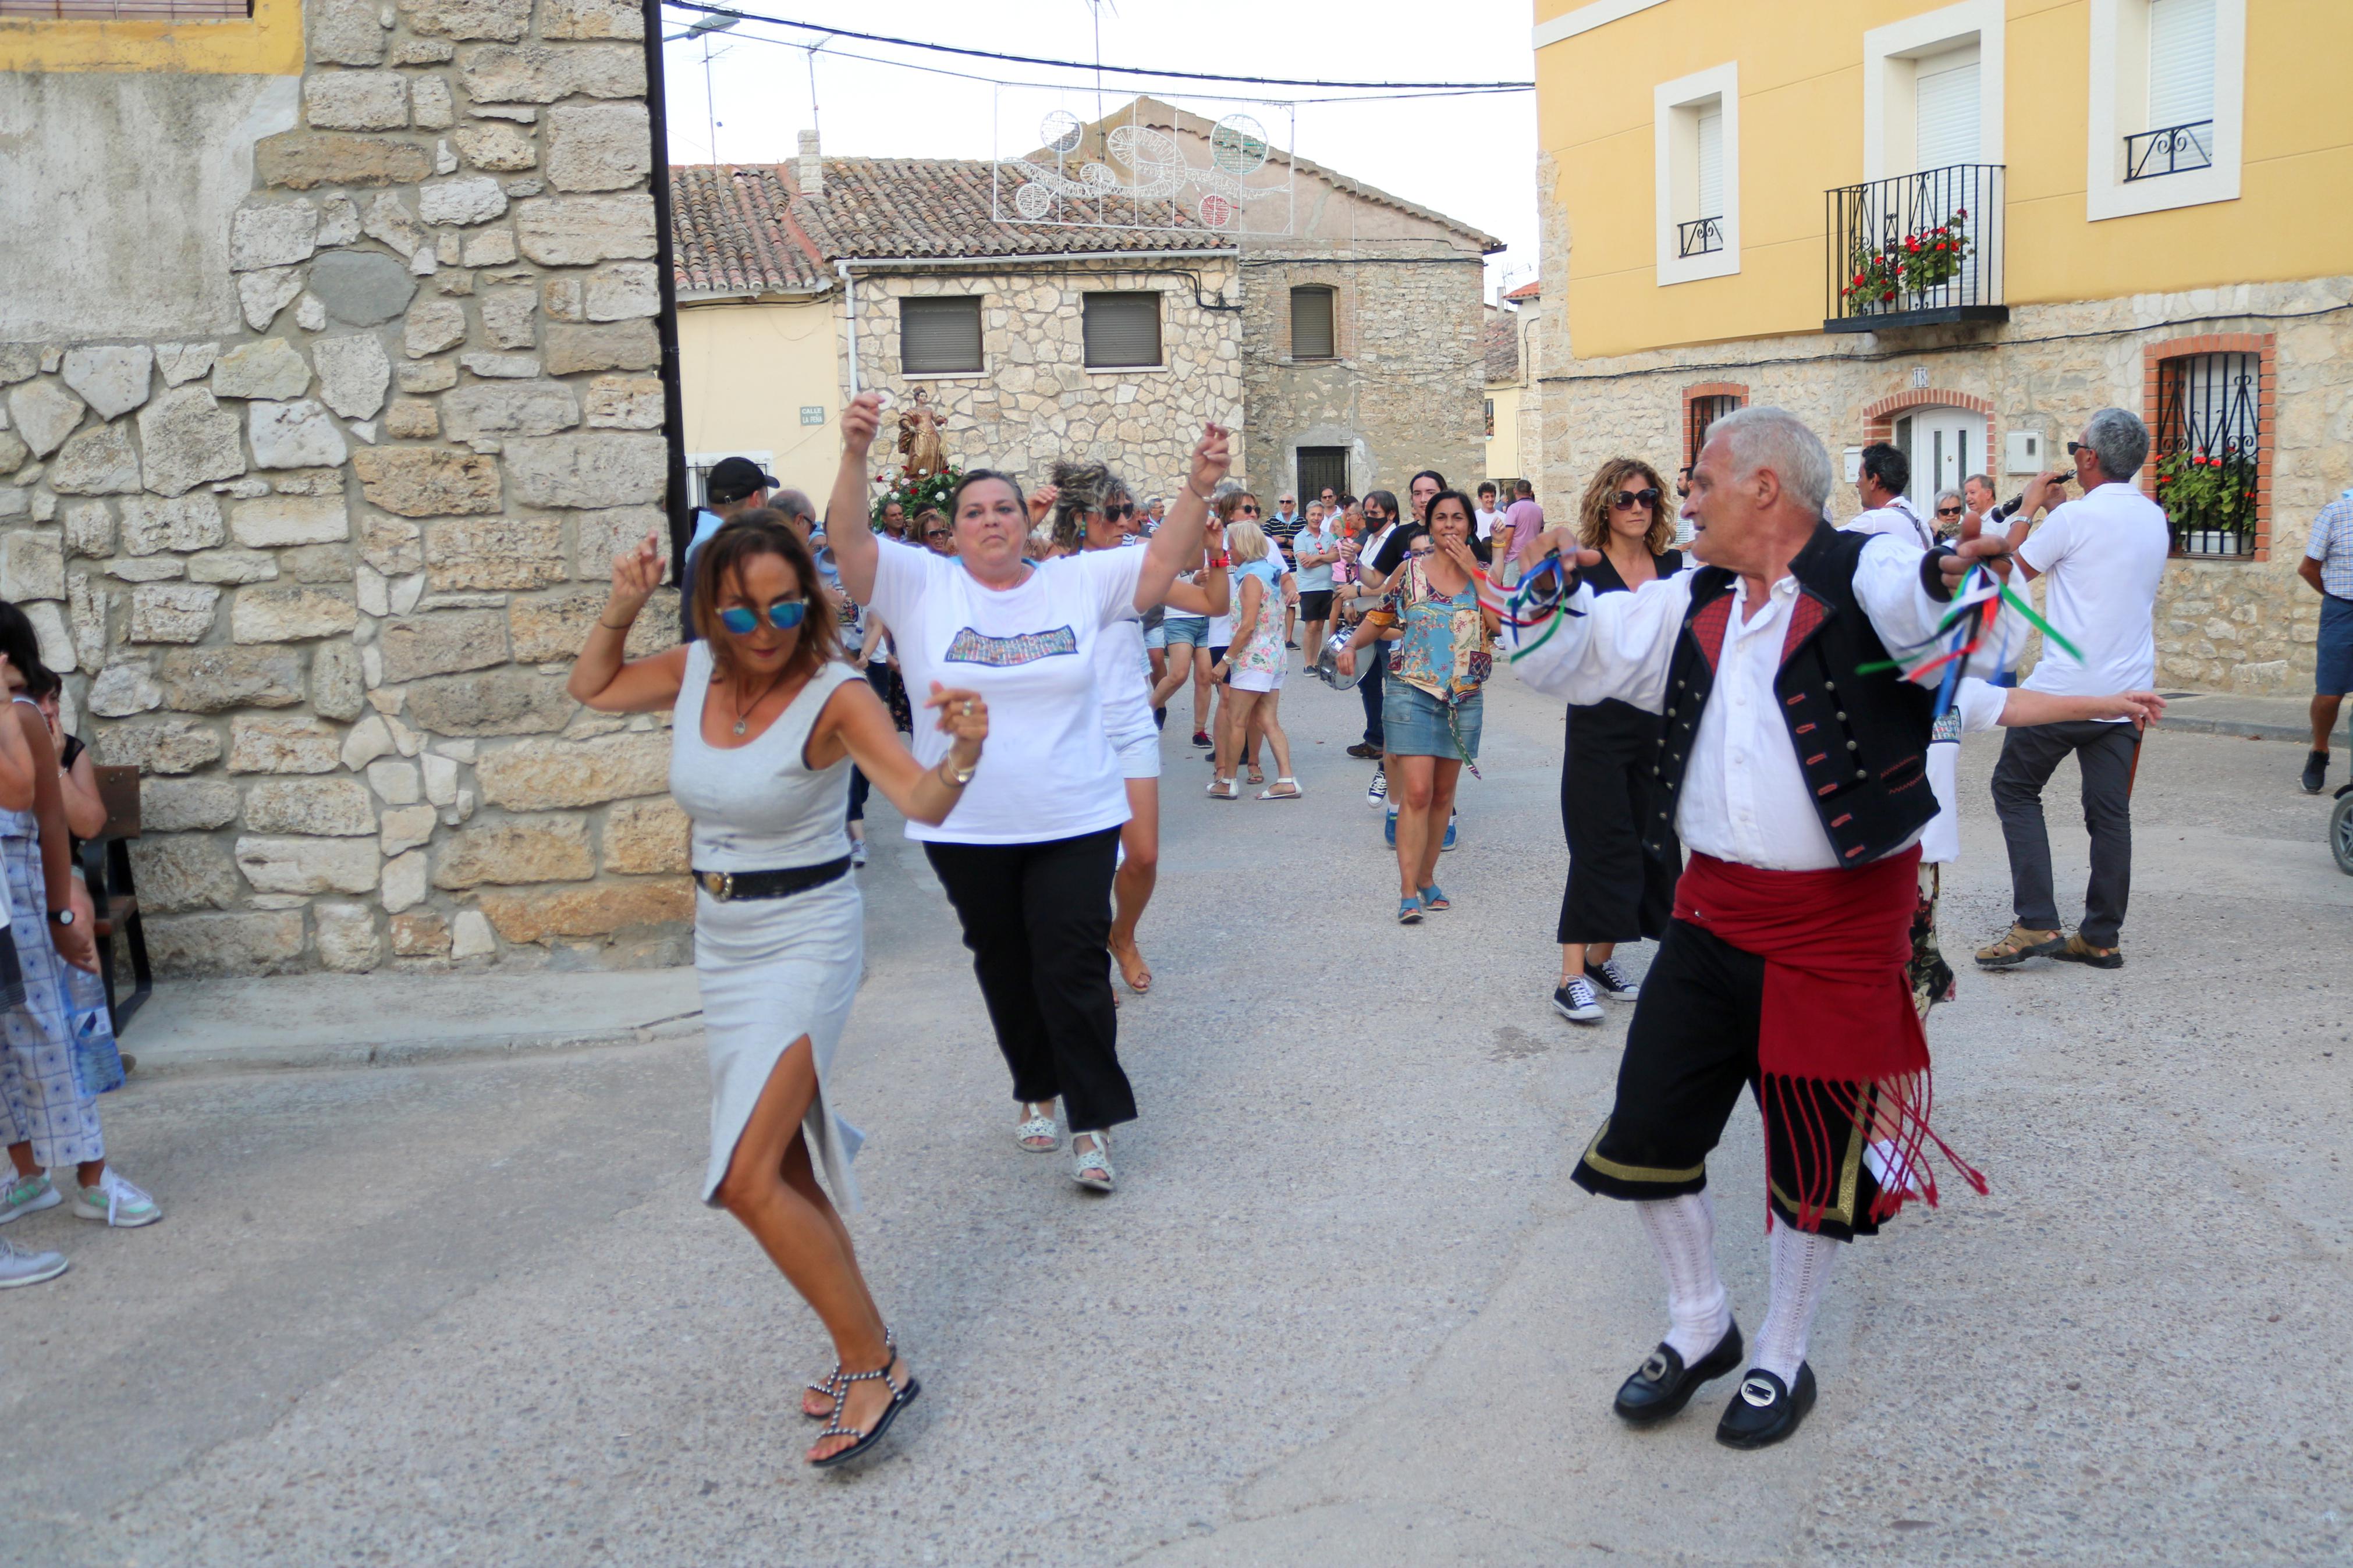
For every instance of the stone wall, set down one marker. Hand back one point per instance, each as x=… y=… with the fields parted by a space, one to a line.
x=320 y=576
x=1037 y=401
x=2242 y=626
x=1408 y=390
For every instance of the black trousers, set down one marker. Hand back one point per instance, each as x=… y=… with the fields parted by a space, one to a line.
x=1690 y=1050
x=1616 y=891
x=1037 y=919
x=893 y=692
x=2104 y=754
x=1370 y=688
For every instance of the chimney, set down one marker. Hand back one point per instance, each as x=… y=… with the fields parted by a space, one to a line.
x=811 y=171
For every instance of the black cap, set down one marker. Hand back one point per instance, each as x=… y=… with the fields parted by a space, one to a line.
x=732 y=479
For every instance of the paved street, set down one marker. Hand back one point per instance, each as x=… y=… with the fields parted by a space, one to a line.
x=1346 y=1308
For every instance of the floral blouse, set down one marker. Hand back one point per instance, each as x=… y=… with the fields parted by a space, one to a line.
x=1444 y=651
x=1264 y=652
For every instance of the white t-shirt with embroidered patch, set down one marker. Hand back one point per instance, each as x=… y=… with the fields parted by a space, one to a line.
x=1048 y=769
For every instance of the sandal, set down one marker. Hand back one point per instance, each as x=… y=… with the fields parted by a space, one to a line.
x=1091 y=1168
x=831 y=1388
x=1138 y=977
x=1224 y=789
x=2017 y=945
x=1039 y=1135
x=1256 y=777
x=902 y=1395
x=1433 y=897
x=1408 y=911
x=1285 y=788
x=2078 y=951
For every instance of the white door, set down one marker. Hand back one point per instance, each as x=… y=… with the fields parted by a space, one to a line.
x=1945 y=446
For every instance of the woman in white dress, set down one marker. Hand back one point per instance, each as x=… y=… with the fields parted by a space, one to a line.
x=766 y=722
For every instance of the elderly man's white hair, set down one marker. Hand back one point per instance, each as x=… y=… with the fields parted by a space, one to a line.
x=1778 y=439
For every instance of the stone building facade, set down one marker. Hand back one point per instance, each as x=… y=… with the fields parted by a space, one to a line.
x=316 y=550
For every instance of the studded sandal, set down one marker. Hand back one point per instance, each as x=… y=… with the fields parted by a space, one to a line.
x=1037 y=1135
x=902 y=1395
x=831 y=1388
x=1091 y=1168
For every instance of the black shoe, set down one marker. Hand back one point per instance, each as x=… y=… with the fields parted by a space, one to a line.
x=1763 y=1411
x=1663 y=1385
x=2316 y=772
x=1364 y=749
x=1160 y=718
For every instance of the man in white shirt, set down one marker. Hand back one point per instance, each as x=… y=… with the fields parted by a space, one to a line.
x=1792 y=762
x=1489 y=514
x=1885 y=474
x=2104 y=555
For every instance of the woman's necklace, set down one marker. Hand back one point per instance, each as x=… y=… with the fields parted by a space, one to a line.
x=744 y=714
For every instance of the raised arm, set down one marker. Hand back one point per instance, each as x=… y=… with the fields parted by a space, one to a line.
x=1891 y=580
x=601 y=677
x=845 y=525
x=1177 y=546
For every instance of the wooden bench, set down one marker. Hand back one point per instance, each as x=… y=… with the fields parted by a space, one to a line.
x=114 y=903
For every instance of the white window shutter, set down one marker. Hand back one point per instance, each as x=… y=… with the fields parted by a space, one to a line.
x=1711 y=160
x=2180 y=62
x=1945 y=130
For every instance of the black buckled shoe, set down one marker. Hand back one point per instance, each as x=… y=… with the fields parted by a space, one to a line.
x=1662 y=1384
x=1764 y=1410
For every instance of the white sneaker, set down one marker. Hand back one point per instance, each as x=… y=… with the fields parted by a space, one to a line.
x=1377 y=795
x=27 y=1195
x=21 y=1268
x=1575 y=1001
x=116 y=1201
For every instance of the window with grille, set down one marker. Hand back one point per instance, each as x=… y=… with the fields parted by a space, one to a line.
x=1490 y=418
x=1698 y=415
x=1322 y=468
x=1312 y=336
x=2208 y=442
x=1123 y=330
x=940 y=336
x=127 y=10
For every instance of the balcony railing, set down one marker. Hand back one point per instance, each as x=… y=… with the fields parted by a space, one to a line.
x=2175 y=149
x=1699 y=237
x=1916 y=250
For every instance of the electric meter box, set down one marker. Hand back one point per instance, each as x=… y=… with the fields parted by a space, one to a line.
x=2023 y=452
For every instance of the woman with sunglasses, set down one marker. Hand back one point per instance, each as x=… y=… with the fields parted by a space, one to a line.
x=1093 y=511
x=1027 y=860
x=1616 y=893
x=1951 y=506
x=765 y=721
x=936 y=536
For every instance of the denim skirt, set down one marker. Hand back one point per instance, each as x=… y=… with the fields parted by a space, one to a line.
x=1415 y=723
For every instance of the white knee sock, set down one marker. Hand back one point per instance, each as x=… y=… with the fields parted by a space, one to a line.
x=1682 y=1232
x=1801 y=1267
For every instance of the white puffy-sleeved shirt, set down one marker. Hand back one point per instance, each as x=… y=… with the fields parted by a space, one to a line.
x=1897 y=521
x=1048 y=769
x=1743 y=796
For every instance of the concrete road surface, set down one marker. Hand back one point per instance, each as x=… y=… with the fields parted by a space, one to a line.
x=1345 y=1309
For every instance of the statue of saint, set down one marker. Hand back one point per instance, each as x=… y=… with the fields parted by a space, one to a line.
x=919 y=437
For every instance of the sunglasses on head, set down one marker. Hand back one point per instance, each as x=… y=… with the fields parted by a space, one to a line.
x=1624 y=498
x=784 y=614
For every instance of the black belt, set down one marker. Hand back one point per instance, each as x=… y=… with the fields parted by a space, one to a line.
x=728 y=887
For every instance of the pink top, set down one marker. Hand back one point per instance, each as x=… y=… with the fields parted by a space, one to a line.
x=1527 y=520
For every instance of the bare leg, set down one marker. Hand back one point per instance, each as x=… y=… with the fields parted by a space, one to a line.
x=1234 y=710
x=1575 y=955
x=1200 y=689
x=770 y=1189
x=1174 y=669
x=2324 y=720
x=1444 y=774
x=1131 y=887
x=21 y=1156
x=1269 y=725
x=1412 y=787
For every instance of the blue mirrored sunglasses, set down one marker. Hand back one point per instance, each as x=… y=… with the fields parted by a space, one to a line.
x=784 y=614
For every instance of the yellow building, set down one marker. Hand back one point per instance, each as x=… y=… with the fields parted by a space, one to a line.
x=1963 y=227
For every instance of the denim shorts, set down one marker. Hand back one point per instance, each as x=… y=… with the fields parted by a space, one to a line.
x=1414 y=724
x=1156 y=636
x=2333 y=670
x=1193 y=629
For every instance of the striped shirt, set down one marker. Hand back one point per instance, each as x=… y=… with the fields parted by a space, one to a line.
x=2332 y=546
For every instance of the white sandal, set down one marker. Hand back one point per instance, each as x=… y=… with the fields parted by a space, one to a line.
x=1039 y=1125
x=1091 y=1168
x=1278 y=790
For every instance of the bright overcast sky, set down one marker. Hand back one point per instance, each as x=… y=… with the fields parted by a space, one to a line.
x=1471 y=158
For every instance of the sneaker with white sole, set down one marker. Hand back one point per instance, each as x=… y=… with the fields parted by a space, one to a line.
x=27 y=1195
x=19 y=1266
x=1612 y=980
x=1575 y=1001
x=1448 y=842
x=1377 y=794
x=116 y=1201
x=1388 y=828
x=857 y=852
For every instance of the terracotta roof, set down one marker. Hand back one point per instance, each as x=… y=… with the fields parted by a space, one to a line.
x=1524 y=291
x=751 y=230
x=1502 y=347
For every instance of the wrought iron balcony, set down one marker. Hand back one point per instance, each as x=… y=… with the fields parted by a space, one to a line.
x=2175 y=149
x=1699 y=237
x=1918 y=250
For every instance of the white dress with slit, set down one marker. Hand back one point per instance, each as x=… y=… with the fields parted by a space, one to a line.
x=772 y=970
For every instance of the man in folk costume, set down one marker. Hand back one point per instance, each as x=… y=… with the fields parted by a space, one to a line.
x=1792 y=761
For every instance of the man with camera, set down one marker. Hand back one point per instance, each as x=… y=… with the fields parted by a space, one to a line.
x=2104 y=555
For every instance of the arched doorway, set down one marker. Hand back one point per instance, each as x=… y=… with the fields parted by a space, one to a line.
x=1945 y=445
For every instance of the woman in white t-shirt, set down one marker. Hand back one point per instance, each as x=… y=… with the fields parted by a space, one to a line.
x=1093 y=511
x=1026 y=856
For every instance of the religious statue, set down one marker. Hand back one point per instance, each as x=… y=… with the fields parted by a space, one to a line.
x=919 y=439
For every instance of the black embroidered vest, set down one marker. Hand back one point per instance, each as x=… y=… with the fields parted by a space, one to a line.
x=1861 y=741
